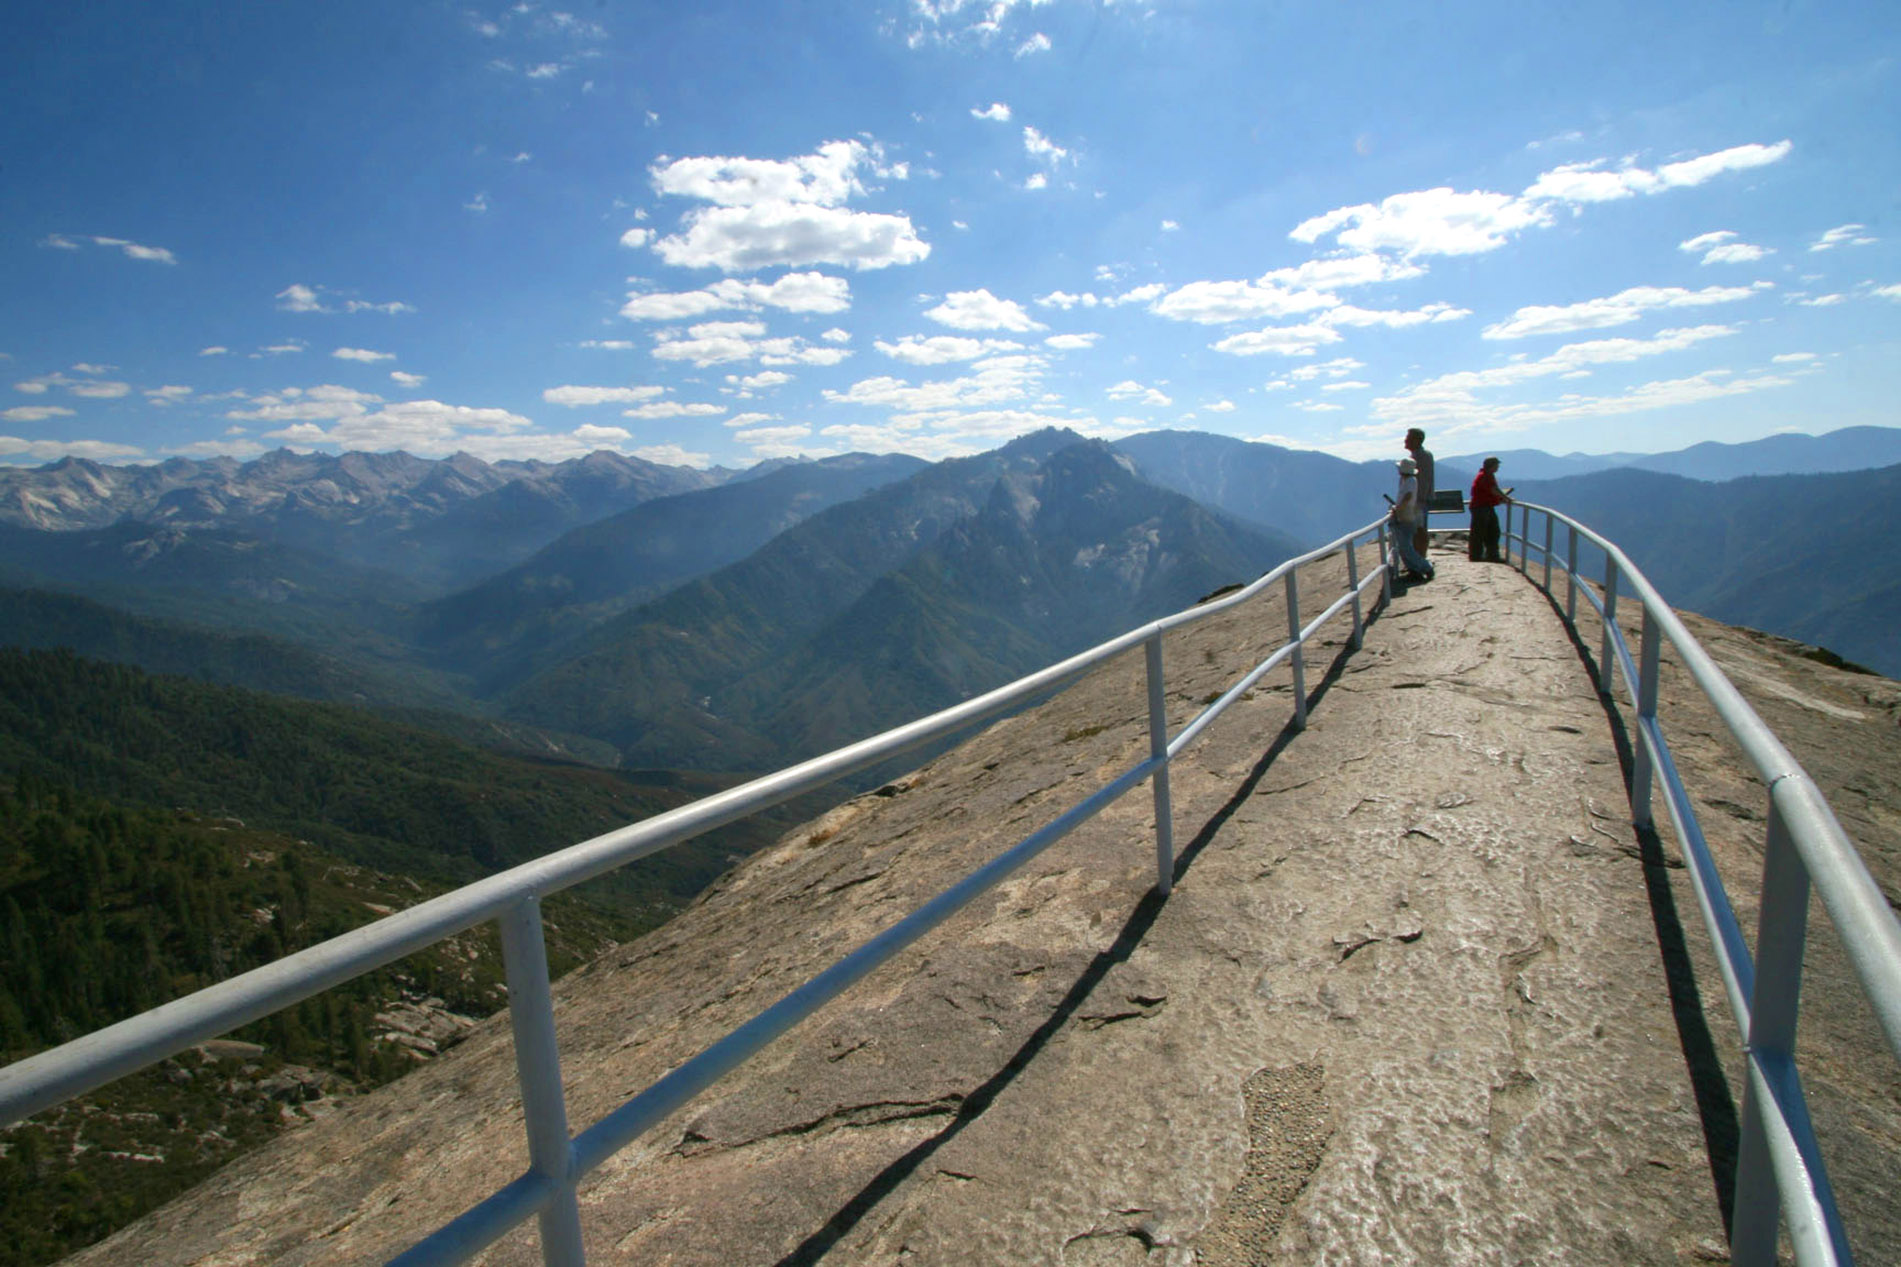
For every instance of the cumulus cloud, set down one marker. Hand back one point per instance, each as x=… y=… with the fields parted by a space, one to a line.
x=723 y=342
x=1072 y=342
x=170 y=394
x=1129 y=389
x=576 y=397
x=422 y=427
x=673 y=409
x=35 y=413
x=981 y=310
x=403 y=378
x=636 y=237
x=941 y=349
x=1041 y=148
x=996 y=112
x=362 y=354
x=746 y=385
x=997 y=380
x=1613 y=310
x=328 y=402
x=1220 y=407
x=1300 y=340
x=770 y=212
x=794 y=292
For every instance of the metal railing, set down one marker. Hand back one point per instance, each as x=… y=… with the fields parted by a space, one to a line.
x=559 y=1160
x=1805 y=848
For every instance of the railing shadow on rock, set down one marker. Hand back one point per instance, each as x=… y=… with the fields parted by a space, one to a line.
x=558 y=1160
x=1780 y=1174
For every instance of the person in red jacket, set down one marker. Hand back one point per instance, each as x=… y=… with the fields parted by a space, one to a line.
x=1487 y=497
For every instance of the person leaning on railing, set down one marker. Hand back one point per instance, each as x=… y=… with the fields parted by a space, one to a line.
x=1487 y=497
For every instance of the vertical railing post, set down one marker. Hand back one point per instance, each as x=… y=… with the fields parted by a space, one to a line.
x=1780 y=936
x=1386 y=565
x=1524 y=541
x=1606 y=665
x=1353 y=585
x=1646 y=713
x=1571 y=576
x=538 y=1069
x=1548 y=523
x=1299 y=659
x=1158 y=752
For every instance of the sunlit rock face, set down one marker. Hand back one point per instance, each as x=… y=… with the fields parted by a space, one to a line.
x=1420 y=993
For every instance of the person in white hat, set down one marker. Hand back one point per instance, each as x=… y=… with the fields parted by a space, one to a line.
x=1407 y=515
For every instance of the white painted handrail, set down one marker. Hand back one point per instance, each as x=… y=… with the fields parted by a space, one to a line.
x=1806 y=847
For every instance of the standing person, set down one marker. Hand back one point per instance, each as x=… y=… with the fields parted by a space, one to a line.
x=1414 y=565
x=1487 y=497
x=1422 y=458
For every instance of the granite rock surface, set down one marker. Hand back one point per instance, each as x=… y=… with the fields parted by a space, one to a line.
x=1413 y=998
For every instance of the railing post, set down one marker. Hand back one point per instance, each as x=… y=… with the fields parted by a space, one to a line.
x=1353 y=584
x=1299 y=659
x=1571 y=576
x=1606 y=666
x=1386 y=565
x=1158 y=751
x=1780 y=936
x=538 y=1069
x=1646 y=712
x=1548 y=523
x=1524 y=542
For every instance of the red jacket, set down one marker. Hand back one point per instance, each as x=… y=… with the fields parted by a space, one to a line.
x=1485 y=491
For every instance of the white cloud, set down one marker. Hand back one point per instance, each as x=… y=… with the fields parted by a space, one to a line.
x=1694 y=171
x=764 y=380
x=298 y=297
x=672 y=455
x=170 y=394
x=766 y=235
x=1220 y=407
x=1348 y=315
x=575 y=397
x=1072 y=342
x=403 y=378
x=998 y=380
x=1721 y=247
x=636 y=237
x=1339 y=367
x=133 y=250
x=328 y=402
x=214 y=350
x=1035 y=181
x=941 y=349
x=776 y=442
x=1041 y=148
x=722 y=342
x=477 y=204
x=1038 y=43
x=1888 y=292
x=604 y=437
x=1129 y=389
x=996 y=112
x=981 y=310
x=34 y=413
x=1299 y=340
x=1843 y=235
x=1170 y=226
x=612 y=345
x=423 y=427
x=1428 y=222
x=794 y=292
x=1350 y=385
x=362 y=354
x=101 y=390
x=52 y=450
x=1625 y=306
x=1824 y=301
x=1318 y=406
x=673 y=409
x=835 y=335
x=1793 y=358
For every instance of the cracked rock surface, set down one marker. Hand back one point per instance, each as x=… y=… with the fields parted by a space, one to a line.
x=1406 y=1002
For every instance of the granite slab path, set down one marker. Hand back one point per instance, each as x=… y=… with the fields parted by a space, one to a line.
x=1404 y=1005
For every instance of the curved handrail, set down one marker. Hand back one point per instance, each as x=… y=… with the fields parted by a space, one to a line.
x=1806 y=847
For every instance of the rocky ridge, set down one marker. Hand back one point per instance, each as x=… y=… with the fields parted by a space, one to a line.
x=1415 y=996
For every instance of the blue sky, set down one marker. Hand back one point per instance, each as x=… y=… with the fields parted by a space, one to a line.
x=718 y=232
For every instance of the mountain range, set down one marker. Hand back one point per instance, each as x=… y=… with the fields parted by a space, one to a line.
x=622 y=612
